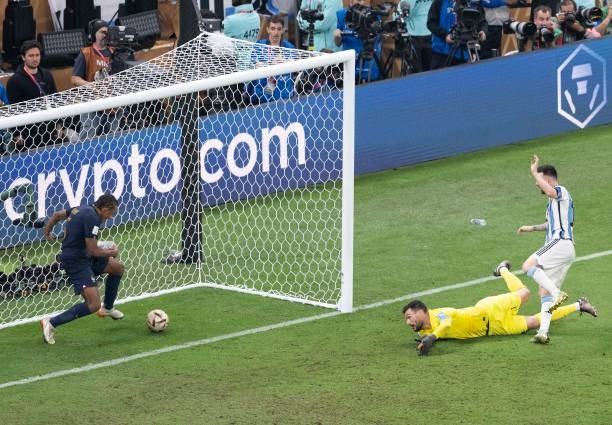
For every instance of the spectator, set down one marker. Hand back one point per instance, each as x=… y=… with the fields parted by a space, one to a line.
x=323 y=30
x=367 y=64
x=278 y=87
x=29 y=82
x=94 y=63
x=244 y=23
x=416 y=25
x=571 y=29
x=496 y=13
x=441 y=21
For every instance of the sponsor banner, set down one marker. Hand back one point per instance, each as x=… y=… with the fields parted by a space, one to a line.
x=241 y=155
x=471 y=107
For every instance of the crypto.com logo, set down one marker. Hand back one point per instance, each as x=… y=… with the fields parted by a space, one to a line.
x=581 y=86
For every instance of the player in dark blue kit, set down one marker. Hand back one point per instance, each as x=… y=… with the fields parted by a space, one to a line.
x=83 y=260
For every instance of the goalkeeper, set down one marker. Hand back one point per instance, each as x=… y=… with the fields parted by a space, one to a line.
x=496 y=315
x=83 y=259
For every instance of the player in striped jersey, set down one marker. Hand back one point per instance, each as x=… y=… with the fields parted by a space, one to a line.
x=549 y=264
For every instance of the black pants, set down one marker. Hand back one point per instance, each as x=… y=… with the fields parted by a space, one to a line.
x=493 y=42
x=422 y=46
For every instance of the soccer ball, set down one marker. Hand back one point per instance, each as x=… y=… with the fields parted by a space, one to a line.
x=157 y=320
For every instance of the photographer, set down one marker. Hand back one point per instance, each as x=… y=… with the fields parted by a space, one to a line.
x=320 y=17
x=571 y=27
x=347 y=36
x=449 y=34
x=244 y=23
x=416 y=26
x=546 y=34
x=94 y=63
x=496 y=13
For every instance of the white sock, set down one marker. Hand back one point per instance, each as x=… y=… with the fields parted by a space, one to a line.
x=544 y=281
x=545 y=316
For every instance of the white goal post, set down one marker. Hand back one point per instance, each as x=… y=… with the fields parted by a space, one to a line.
x=232 y=163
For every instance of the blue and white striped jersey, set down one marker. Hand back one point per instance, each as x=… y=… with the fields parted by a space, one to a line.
x=560 y=216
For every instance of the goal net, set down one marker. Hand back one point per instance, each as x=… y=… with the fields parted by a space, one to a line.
x=232 y=163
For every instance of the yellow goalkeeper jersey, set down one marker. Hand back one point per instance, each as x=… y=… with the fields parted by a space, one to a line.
x=453 y=323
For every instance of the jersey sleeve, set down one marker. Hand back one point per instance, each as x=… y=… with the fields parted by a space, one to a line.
x=445 y=323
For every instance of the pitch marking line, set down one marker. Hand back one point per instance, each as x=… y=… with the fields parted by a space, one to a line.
x=207 y=341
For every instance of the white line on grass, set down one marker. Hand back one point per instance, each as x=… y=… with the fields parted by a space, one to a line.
x=206 y=341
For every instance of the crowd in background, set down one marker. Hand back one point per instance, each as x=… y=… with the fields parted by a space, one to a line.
x=423 y=35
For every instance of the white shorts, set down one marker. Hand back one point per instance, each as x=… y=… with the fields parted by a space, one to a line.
x=555 y=258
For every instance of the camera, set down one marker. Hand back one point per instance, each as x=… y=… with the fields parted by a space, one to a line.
x=468 y=21
x=311 y=15
x=521 y=29
x=588 y=15
x=120 y=36
x=364 y=20
x=545 y=35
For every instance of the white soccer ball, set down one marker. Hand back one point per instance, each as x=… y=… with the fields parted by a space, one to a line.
x=157 y=320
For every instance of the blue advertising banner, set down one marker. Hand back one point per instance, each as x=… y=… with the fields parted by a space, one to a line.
x=260 y=150
x=475 y=106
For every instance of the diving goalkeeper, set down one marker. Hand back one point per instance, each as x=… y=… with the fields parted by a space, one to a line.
x=496 y=315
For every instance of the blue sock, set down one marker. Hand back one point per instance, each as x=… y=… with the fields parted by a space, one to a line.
x=74 y=312
x=110 y=292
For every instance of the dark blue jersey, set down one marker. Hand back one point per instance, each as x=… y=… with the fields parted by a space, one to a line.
x=82 y=222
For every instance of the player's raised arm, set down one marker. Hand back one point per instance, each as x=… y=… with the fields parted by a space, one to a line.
x=55 y=218
x=546 y=188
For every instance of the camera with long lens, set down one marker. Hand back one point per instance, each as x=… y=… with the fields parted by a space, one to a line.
x=521 y=29
x=545 y=35
x=585 y=15
x=364 y=20
x=468 y=21
x=120 y=36
x=312 y=15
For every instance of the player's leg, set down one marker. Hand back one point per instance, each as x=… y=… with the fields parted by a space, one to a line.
x=513 y=283
x=553 y=262
x=84 y=284
x=582 y=305
x=114 y=269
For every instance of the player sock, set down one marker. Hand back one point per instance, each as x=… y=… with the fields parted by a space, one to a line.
x=512 y=282
x=110 y=292
x=565 y=310
x=544 y=281
x=74 y=312
x=545 y=316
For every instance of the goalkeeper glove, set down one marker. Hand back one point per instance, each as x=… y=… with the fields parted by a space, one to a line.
x=426 y=344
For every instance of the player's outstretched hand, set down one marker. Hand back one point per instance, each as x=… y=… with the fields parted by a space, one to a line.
x=426 y=343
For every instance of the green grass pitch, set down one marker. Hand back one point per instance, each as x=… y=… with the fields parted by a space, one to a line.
x=412 y=233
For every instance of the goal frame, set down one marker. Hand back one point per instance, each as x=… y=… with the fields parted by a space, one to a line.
x=345 y=58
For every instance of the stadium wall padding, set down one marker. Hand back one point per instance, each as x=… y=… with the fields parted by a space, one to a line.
x=500 y=101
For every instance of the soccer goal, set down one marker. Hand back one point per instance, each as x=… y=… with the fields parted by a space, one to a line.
x=232 y=163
